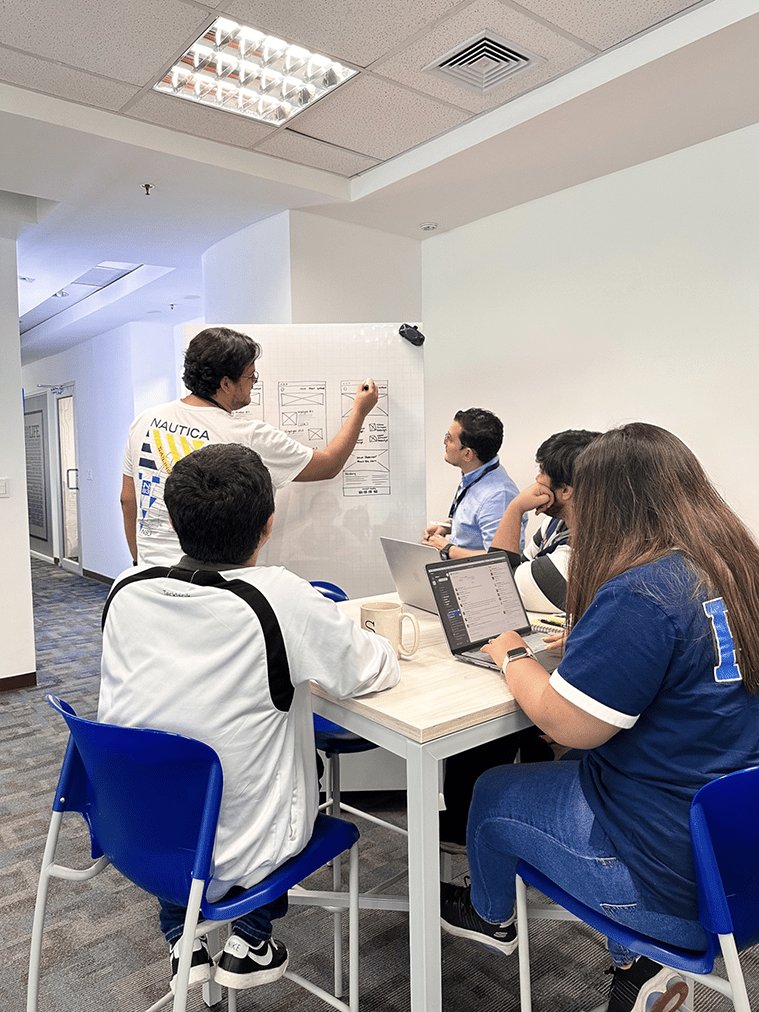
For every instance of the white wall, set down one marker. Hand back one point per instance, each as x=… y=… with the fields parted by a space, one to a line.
x=246 y=277
x=634 y=296
x=17 y=656
x=344 y=273
x=115 y=376
x=297 y=267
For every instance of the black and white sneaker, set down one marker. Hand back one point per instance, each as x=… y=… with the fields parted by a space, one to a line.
x=646 y=987
x=200 y=967
x=458 y=917
x=245 y=965
x=452 y=847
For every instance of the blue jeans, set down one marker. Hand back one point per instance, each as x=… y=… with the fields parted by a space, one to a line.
x=254 y=926
x=539 y=812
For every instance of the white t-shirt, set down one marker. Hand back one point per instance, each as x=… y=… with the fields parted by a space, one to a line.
x=191 y=658
x=161 y=436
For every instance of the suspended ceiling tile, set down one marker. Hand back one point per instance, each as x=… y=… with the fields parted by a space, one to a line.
x=603 y=23
x=377 y=118
x=202 y=121
x=63 y=82
x=307 y=151
x=130 y=42
x=355 y=32
x=559 y=53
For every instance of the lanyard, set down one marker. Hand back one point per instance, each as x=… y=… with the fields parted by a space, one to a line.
x=465 y=489
x=555 y=535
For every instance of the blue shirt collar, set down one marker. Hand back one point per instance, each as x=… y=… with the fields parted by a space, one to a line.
x=467 y=479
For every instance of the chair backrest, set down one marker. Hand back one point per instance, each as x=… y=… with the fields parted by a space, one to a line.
x=724 y=822
x=330 y=590
x=151 y=800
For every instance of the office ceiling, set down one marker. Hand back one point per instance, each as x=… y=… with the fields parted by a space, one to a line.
x=615 y=82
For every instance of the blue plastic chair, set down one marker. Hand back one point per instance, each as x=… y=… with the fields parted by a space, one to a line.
x=151 y=800
x=334 y=741
x=725 y=837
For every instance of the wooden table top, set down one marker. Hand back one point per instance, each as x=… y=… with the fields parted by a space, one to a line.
x=437 y=694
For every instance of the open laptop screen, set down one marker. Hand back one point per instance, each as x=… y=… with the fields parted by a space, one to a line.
x=476 y=599
x=407 y=561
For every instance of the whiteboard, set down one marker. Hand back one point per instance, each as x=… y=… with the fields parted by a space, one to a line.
x=308 y=375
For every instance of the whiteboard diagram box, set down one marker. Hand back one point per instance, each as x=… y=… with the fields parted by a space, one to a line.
x=303 y=411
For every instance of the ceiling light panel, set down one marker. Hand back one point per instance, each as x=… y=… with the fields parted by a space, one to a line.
x=245 y=71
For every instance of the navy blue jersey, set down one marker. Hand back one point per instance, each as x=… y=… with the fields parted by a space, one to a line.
x=654 y=656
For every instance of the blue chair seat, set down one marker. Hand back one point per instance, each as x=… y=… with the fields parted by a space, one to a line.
x=332 y=739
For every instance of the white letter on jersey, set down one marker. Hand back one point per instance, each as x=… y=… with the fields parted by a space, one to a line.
x=727 y=669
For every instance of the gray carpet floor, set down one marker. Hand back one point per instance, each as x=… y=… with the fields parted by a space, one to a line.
x=103 y=949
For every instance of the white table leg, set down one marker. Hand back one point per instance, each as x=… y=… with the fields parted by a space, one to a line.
x=424 y=879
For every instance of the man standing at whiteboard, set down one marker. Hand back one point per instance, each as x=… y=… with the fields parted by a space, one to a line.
x=472 y=443
x=220 y=372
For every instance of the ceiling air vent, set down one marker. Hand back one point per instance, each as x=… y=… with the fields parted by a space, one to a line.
x=483 y=62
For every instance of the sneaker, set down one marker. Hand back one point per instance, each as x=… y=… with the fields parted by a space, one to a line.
x=458 y=917
x=646 y=987
x=451 y=847
x=245 y=965
x=200 y=967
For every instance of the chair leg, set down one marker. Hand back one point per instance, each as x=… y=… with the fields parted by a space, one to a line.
x=337 y=918
x=186 y=946
x=337 y=927
x=38 y=924
x=231 y=999
x=212 y=990
x=446 y=866
x=353 y=947
x=523 y=940
x=734 y=973
x=688 y=1005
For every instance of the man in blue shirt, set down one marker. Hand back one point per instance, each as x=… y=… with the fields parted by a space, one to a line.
x=472 y=443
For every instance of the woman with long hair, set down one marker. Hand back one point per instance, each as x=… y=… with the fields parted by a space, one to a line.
x=658 y=685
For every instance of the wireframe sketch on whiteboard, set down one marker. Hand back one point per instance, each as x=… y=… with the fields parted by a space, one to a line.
x=367 y=471
x=303 y=411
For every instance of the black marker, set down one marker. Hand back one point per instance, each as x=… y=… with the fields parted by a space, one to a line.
x=366 y=385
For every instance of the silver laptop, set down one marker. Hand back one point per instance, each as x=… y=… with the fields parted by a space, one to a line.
x=477 y=599
x=407 y=560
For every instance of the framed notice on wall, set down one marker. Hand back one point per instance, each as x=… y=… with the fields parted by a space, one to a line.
x=36 y=487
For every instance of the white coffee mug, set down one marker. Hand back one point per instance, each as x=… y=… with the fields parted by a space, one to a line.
x=386 y=619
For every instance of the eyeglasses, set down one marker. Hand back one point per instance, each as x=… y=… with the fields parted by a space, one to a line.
x=253 y=378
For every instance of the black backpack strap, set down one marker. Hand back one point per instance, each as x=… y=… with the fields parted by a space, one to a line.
x=281 y=688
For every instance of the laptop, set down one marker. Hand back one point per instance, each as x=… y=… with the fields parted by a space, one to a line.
x=407 y=560
x=477 y=599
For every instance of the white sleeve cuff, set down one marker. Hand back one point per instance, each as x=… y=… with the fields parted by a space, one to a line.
x=589 y=705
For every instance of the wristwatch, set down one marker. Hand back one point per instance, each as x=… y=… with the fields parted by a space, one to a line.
x=516 y=655
x=445 y=553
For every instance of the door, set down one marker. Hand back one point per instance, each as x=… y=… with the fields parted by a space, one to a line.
x=69 y=474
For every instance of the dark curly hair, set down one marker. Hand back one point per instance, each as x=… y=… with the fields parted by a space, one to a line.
x=220 y=498
x=481 y=430
x=214 y=353
x=556 y=456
